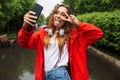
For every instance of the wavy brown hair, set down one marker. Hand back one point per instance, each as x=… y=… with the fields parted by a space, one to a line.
x=67 y=28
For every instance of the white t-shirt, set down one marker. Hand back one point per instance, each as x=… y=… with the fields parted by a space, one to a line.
x=52 y=55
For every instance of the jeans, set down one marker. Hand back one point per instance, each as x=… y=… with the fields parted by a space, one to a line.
x=59 y=73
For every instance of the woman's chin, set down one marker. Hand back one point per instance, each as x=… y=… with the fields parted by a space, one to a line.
x=57 y=25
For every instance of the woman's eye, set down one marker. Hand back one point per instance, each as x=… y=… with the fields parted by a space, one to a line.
x=56 y=12
x=63 y=14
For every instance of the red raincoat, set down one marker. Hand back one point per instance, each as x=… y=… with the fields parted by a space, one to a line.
x=81 y=37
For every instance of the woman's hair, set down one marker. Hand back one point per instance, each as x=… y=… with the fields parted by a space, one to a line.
x=67 y=29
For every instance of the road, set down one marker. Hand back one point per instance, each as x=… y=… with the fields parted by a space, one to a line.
x=18 y=64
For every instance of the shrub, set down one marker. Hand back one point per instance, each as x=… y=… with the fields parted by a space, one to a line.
x=109 y=22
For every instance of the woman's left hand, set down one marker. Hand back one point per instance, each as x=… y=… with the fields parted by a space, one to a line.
x=71 y=18
x=74 y=20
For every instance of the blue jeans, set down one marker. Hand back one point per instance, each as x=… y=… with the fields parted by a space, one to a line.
x=59 y=73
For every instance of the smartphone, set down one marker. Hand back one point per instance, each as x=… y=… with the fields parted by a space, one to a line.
x=37 y=9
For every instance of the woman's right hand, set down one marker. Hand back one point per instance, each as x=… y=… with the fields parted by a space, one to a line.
x=29 y=20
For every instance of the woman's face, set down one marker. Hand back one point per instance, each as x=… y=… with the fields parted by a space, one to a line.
x=58 y=17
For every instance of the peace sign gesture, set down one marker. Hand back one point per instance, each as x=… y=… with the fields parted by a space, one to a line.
x=71 y=18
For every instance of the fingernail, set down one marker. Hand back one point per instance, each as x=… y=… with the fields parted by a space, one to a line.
x=34 y=20
x=33 y=13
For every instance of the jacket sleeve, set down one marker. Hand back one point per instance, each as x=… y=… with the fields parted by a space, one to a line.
x=25 y=39
x=91 y=33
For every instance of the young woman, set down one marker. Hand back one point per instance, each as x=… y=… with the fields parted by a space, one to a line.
x=63 y=41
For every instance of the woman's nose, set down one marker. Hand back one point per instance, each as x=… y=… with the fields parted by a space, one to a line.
x=58 y=15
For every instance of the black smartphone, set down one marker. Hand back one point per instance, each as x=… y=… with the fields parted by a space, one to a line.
x=37 y=9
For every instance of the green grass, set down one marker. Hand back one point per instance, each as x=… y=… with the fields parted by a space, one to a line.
x=12 y=35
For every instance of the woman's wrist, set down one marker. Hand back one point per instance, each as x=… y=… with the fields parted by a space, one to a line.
x=27 y=27
x=77 y=23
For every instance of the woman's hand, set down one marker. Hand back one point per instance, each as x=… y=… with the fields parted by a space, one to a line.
x=29 y=20
x=71 y=18
x=74 y=20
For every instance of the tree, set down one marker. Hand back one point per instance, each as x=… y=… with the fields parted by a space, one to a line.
x=11 y=12
x=6 y=11
x=86 y=6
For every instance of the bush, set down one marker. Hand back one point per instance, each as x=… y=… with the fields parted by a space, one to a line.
x=109 y=22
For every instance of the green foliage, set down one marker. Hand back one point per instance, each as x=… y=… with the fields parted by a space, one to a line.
x=16 y=22
x=109 y=22
x=11 y=12
x=85 y=6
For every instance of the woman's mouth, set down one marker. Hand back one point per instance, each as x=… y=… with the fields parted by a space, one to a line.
x=57 y=22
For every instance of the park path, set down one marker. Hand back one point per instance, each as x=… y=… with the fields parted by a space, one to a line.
x=18 y=64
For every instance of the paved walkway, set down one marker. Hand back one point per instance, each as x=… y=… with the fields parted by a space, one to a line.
x=15 y=64
x=102 y=66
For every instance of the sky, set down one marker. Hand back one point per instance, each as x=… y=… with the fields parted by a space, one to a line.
x=48 y=5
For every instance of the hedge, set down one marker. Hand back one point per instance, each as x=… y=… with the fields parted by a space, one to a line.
x=109 y=22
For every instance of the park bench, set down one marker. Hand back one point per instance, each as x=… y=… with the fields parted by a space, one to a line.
x=4 y=38
x=4 y=42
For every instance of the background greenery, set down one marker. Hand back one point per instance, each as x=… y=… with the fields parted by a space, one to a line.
x=12 y=13
x=110 y=24
x=87 y=6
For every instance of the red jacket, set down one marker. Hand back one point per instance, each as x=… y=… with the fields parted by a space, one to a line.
x=81 y=37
